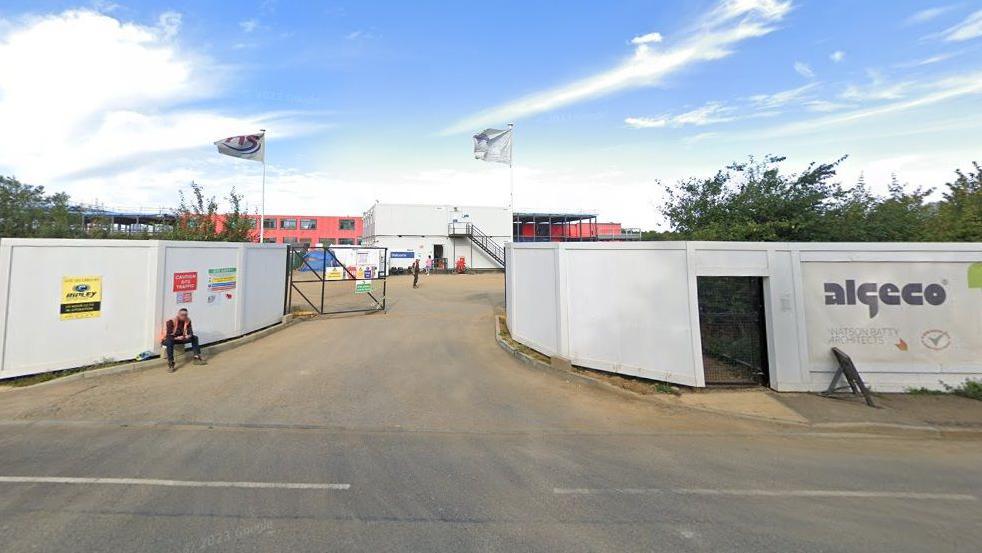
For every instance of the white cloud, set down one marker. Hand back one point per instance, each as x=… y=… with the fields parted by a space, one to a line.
x=85 y=93
x=360 y=34
x=804 y=70
x=925 y=61
x=711 y=113
x=784 y=97
x=248 y=25
x=713 y=37
x=966 y=30
x=877 y=89
x=825 y=106
x=647 y=39
x=926 y=15
x=930 y=94
x=169 y=24
x=646 y=122
x=105 y=6
x=837 y=56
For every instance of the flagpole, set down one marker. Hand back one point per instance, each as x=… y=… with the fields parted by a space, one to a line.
x=262 y=195
x=511 y=172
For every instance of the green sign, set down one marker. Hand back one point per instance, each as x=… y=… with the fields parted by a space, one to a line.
x=363 y=286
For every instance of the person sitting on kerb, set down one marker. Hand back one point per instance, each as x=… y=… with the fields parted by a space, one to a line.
x=178 y=331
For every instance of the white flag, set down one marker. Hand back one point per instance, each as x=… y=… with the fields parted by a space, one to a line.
x=248 y=146
x=493 y=145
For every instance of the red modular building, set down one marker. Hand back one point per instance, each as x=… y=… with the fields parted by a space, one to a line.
x=567 y=227
x=311 y=229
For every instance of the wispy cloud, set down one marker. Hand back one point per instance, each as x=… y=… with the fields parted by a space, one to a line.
x=649 y=38
x=360 y=34
x=877 y=89
x=711 y=113
x=837 y=56
x=925 y=15
x=825 y=106
x=646 y=122
x=804 y=70
x=966 y=30
x=925 y=61
x=933 y=93
x=713 y=37
x=248 y=25
x=782 y=98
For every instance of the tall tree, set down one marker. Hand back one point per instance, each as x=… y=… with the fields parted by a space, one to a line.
x=754 y=201
x=959 y=214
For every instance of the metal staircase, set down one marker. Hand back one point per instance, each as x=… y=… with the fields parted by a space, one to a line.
x=483 y=241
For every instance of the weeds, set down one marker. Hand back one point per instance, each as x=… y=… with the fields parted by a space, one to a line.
x=20 y=382
x=971 y=389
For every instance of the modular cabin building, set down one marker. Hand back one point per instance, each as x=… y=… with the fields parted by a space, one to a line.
x=444 y=232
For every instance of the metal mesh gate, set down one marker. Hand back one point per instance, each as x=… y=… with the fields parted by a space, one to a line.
x=336 y=279
x=731 y=322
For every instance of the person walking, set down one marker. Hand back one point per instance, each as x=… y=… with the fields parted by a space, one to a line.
x=429 y=264
x=178 y=331
x=416 y=273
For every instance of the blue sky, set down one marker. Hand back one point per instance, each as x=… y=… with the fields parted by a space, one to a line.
x=364 y=101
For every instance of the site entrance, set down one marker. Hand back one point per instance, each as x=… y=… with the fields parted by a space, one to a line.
x=336 y=279
x=731 y=323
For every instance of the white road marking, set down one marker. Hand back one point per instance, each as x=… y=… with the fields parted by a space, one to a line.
x=172 y=483
x=769 y=493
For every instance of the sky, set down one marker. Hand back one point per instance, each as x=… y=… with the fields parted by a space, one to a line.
x=365 y=101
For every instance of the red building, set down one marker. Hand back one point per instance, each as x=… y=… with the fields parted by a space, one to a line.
x=567 y=227
x=312 y=229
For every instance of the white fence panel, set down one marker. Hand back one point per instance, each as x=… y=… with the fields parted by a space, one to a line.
x=263 y=288
x=633 y=308
x=229 y=288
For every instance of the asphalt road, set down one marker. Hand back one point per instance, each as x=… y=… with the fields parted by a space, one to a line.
x=413 y=431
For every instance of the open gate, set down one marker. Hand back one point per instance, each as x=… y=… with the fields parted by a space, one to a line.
x=336 y=279
x=731 y=324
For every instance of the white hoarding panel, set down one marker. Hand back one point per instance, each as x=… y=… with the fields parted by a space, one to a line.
x=536 y=324
x=39 y=337
x=264 y=285
x=212 y=306
x=909 y=315
x=70 y=303
x=895 y=317
x=629 y=312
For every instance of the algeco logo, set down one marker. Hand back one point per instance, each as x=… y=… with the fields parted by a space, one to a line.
x=872 y=294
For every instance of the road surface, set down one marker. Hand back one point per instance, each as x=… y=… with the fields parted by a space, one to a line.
x=413 y=431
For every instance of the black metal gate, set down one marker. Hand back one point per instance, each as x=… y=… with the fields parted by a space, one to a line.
x=731 y=322
x=335 y=279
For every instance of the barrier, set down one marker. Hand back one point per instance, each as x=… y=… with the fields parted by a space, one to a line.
x=909 y=315
x=70 y=303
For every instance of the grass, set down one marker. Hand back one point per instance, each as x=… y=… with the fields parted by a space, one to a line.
x=972 y=389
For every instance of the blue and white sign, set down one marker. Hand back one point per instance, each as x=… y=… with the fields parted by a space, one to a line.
x=402 y=255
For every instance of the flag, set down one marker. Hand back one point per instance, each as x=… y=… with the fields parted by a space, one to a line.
x=493 y=145
x=249 y=146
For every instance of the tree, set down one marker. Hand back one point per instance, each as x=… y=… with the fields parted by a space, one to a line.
x=26 y=211
x=198 y=218
x=959 y=214
x=237 y=225
x=754 y=201
x=901 y=216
